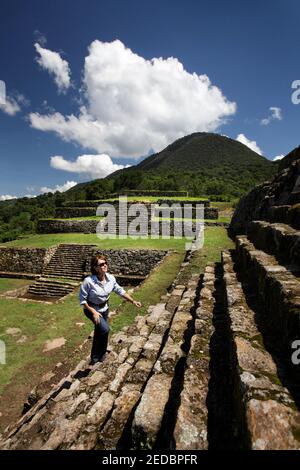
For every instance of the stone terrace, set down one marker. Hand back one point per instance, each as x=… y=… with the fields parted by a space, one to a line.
x=208 y=367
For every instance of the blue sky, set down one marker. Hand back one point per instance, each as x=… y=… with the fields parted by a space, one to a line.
x=93 y=86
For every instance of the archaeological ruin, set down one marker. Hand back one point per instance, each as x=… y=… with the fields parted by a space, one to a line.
x=212 y=365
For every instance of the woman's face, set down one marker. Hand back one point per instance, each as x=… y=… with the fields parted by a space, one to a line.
x=101 y=266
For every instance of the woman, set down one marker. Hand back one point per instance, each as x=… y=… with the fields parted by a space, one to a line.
x=94 y=294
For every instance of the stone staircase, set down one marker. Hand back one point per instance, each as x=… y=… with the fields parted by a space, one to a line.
x=208 y=367
x=63 y=272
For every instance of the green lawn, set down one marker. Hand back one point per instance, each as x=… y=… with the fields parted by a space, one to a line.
x=7 y=284
x=180 y=219
x=155 y=198
x=48 y=240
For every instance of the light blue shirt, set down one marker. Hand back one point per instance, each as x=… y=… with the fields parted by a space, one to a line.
x=94 y=292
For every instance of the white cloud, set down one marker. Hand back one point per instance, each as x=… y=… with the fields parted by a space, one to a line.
x=55 y=65
x=279 y=157
x=12 y=104
x=96 y=166
x=40 y=37
x=276 y=115
x=61 y=188
x=7 y=197
x=134 y=104
x=250 y=143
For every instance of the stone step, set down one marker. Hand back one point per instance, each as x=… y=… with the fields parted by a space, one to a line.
x=63 y=269
x=151 y=417
x=190 y=432
x=277 y=289
x=55 y=288
x=45 y=294
x=58 y=269
x=278 y=239
x=266 y=413
x=44 y=287
x=54 y=281
x=75 y=277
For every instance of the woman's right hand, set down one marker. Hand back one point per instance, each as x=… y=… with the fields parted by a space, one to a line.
x=96 y=317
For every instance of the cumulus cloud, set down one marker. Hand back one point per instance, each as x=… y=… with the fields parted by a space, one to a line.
x=7 y=197
x=250 y=143
x=133 y=104
x=96 y=166
x=56 y=66
x=61 y=188
x=275 y=115
x=12 y=104
x=279 y=157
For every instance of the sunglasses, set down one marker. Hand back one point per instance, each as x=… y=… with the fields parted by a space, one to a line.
x=101 y=264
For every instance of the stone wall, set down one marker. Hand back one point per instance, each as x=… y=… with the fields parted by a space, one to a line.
x=19 y=260
x=68 y=212
x=204 y=202
x=66 y=226
x=89 y=226
x=275 y=201
x=129 y=262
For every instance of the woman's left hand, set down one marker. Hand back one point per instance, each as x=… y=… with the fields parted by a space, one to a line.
x=137 y=304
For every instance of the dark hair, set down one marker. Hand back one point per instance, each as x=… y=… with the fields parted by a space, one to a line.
x=94 y=262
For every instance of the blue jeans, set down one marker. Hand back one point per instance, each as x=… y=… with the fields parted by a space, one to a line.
x=101 y=331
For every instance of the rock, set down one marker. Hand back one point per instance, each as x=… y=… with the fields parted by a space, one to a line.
x=53 y=344
x=271 y=425
x=82 y=397
x=149 y=413
x=157 y=311
x=97 y=378
x=111 y=433
x=169 y=357
x=13 y=331
x=190 y=432
x=48 y=376
x=140 y=371
x=99 y=411
x=23 y=339
x=152 y=346
x=65 y=432
x=119 y=378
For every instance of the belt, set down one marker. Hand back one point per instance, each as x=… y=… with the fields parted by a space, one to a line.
x=98 y=305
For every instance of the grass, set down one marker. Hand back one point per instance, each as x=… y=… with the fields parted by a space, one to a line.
x=180 y=219
x=222 y=206
x=7 y=284
x=48 y=240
